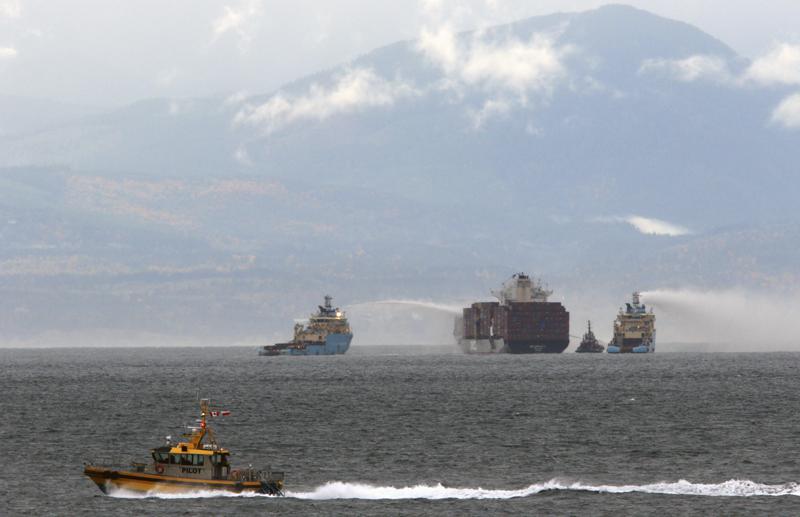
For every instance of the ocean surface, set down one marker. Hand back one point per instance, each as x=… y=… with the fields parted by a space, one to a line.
x=411 y=430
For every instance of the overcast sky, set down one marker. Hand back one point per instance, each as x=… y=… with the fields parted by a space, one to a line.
x=111 y=52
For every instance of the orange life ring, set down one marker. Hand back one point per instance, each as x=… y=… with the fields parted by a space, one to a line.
x=159 y=468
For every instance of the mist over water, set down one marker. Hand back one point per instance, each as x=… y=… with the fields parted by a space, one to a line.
x=734 y=320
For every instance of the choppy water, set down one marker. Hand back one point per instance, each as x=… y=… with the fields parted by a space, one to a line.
x=380 y=433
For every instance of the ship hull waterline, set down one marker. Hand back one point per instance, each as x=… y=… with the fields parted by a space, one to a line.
x=108 y=480
x=500 y=346
x=334 y=344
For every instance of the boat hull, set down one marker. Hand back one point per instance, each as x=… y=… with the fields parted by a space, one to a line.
x=334 y=344
x=108 y=480
x=483 y=346
x=543 y=346
x=637 y=349
x=501 y=346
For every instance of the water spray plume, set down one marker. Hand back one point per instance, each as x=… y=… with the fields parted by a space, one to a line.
x=420 y=304
x=731 y=320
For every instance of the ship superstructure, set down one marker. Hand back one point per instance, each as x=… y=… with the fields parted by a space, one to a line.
x=326 y=333
x=522 y=321
x=634 y=329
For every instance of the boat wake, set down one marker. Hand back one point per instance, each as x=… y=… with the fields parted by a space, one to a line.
x=342 y=490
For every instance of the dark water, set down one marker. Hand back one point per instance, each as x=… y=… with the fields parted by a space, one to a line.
x=565 y=434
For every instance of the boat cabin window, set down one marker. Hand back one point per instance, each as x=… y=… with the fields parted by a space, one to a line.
x=186 y=459
x=197 y=460
x=175 y=459
x=219 y=459
x=161 y=457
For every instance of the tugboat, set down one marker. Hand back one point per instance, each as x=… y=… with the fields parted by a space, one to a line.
x=634 y=329
x=589 y=343
x=327 y=333
x=198 y=463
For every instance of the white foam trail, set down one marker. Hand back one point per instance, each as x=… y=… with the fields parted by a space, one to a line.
x=343 y=490
x=452 y=309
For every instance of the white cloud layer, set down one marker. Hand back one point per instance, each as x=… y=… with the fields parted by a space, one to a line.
x=779 y=66
x=8 y=52
x=788 y=112
x=354 y=90
x=692 y=68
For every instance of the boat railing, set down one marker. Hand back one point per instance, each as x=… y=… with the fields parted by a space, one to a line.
x=251 y=474
x=117 y=463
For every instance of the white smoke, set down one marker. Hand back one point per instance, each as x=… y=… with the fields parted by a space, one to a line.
x=731 y=320
x=343 y=490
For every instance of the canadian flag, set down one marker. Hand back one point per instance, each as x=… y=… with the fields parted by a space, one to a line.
x=220 y=413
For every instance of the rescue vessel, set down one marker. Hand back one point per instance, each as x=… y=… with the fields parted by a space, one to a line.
x=522 y=321
x=634 y=329
x=327 y=333
x=198 y=463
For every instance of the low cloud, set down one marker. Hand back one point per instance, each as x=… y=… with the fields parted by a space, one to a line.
x=511 y=72
x=787 y=113
x=512 y=65
x=693 y=68
x=780 y=66
x=656 y=226
x=8 y=52
x=647 y=225
x=10 y=9
x=166 y=78
x=354 y=90
x=441 y=47
x=491 y=108
x=238 y=21
x=242 y=156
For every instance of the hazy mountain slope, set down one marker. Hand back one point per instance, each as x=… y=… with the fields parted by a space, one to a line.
x=420 y=169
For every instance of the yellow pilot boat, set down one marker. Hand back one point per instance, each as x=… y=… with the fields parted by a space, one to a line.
x=188 y=466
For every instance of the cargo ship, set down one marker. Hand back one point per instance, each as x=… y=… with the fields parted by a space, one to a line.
x=327 y=333
x=589 y=343
x=634 y=329
x=522 y=321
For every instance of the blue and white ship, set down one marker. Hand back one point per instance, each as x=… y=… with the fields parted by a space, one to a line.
x=327 y=333
x=634 y=329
